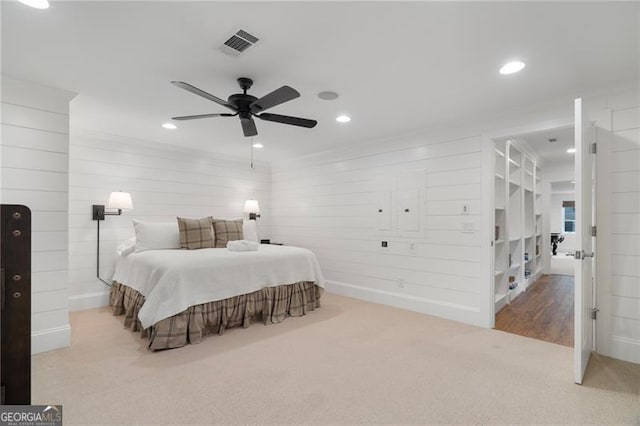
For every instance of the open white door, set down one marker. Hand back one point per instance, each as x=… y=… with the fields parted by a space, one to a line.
x=584 y=260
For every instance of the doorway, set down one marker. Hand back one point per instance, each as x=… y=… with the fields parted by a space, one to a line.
x=535 y=209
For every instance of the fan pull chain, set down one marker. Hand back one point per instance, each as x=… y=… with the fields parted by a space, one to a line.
x=252 y=152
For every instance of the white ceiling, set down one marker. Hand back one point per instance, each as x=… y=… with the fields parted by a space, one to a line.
x=552 y=151
x=564 y=187
x=399 y=67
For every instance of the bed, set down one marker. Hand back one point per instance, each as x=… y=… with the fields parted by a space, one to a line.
x=175 y=297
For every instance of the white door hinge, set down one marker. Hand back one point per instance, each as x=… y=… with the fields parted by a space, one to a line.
x=594 y=231
x=594 y=148
x=594 y=313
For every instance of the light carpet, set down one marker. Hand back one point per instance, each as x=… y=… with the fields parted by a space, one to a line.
x=348 y=362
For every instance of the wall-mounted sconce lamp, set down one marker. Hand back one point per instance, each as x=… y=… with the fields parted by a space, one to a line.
x=253 y=208
x=117 y=201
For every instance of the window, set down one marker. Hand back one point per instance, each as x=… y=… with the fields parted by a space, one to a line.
x=569 y=216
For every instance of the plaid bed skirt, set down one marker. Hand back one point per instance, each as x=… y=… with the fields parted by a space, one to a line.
x=269 y=305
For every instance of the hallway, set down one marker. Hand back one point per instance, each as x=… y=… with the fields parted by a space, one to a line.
x=543 y=312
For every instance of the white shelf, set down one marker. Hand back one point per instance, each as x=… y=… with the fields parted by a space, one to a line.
x=500 y=153
x=514 y=162
x=501 y=301
x=499 y=176
x=499 y=273
x=514 y=266
x=538 y=255
x=529 y=173
x=514 y=184
x=499 y=241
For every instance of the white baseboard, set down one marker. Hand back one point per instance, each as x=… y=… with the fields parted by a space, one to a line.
x=88 y=301
x=625 y=349
x=48 y=340
x=462 y=313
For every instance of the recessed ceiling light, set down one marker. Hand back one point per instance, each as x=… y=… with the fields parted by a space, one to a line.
x=571 y=151
x=169 y=126
x=327 y=95
x=512 y=67
x=573 y=181
x=37 y=4
x=343 y=119
x=257 y=145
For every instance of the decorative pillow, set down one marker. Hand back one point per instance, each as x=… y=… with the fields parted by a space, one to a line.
x=227 y=230
x=195 y=233
x=250 y=230
x=156 y=235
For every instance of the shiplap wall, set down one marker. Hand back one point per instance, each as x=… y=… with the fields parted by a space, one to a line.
x=35 y=144
x=620 y=330
x=329 y=203
x=164 y=182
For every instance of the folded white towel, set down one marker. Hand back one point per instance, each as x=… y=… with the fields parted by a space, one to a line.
x=242 y=245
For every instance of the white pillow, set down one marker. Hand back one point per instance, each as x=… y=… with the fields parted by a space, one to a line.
x=250 y=231
x=156 y=235
x=127 y=247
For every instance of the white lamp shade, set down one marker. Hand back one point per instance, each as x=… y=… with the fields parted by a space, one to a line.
x=251 y=206
x=120 y=201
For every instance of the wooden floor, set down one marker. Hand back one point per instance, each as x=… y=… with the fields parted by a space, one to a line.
x=543 y=312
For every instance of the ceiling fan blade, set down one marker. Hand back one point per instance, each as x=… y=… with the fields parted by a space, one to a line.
x=249 y=127
x=194 y=117
x=193 y=89
x=285 y=119
x=277 y=97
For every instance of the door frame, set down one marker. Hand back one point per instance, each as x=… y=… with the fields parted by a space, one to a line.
x=487 y=309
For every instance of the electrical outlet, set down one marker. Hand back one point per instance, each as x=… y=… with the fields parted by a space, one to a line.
x=466 y=209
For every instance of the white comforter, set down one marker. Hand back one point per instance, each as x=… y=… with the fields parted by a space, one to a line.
x=173 y=280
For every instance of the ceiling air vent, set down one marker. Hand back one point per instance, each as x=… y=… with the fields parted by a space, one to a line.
x=239 y=43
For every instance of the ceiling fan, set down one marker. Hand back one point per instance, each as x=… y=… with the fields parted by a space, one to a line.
x=246 y=106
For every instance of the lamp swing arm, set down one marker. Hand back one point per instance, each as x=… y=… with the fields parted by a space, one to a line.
x=119 y=201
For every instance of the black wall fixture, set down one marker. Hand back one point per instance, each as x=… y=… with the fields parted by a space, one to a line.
x=118 y=201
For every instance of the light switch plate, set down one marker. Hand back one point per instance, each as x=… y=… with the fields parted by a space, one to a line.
x=466 y=209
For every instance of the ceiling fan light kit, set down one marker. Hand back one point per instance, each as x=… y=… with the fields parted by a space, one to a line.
x=246 y=106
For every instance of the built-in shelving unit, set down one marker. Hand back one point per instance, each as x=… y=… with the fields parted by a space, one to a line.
x=518 y=221
x=501 y=238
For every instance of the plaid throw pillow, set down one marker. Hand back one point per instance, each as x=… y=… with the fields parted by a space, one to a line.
x=227 y=230
x=196 y=233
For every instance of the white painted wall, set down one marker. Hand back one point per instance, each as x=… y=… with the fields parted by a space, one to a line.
x=329 y=203
x=556 y=217
x=164 y=182
x=34 y=162
x=556 y=170
x=618 y=242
